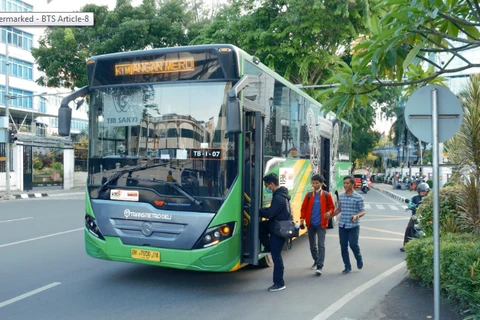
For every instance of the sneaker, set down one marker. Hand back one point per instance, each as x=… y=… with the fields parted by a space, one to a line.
x=277 y=287
x=314 y=266
x=402 y=249
x=318 y=271
x=360 y=264
x=346 y=271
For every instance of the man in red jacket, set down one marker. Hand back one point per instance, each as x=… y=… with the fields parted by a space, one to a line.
x=315 y=204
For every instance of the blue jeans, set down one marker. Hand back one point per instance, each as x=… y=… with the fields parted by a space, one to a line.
x=316 y=238
x=349 y=236
x=275 y=245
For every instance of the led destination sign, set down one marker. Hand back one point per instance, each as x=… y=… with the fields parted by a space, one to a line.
x=154 y=67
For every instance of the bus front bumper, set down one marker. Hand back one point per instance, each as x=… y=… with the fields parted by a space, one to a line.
x=223 y=257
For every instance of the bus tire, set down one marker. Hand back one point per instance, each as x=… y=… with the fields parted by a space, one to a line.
x=266 y=261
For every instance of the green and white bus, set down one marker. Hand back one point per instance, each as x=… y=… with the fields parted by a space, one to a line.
x=179 y=140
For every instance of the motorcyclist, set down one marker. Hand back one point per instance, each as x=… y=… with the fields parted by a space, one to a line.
x=416 y=200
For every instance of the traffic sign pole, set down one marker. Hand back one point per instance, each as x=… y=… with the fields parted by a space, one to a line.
x=436 y=211
x=427 y=109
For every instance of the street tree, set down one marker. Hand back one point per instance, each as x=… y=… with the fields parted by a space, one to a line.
x=299 y=39
x=404 y=49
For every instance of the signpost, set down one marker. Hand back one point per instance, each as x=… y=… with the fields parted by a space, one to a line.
x=428 y=109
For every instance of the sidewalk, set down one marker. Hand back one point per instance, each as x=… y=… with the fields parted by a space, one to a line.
x=41 y=192
x=408 y=300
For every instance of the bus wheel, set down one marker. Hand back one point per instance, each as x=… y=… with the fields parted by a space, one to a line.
x=266 y=261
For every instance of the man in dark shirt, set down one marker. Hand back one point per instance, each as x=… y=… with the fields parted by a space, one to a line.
x=279 y=210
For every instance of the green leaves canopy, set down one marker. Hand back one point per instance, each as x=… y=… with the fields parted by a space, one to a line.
x=408 y=37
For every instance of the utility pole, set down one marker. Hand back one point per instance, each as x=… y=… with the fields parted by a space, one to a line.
x=7 y=115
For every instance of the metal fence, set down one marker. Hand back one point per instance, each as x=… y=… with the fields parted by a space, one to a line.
x=81 y=165
x=3 y=158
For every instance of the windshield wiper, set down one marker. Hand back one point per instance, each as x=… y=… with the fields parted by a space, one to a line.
x=120 y=173
x=175 y=186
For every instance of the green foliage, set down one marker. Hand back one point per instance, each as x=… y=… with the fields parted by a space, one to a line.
x=299 y=40
x=459 y=268
x=57 y=166
x=451 y=220
x=407 y=37
x=430 y=183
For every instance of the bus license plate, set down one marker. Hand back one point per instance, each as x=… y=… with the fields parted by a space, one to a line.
x=146 y=255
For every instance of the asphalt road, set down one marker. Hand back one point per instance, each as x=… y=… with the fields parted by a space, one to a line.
x=46 y=274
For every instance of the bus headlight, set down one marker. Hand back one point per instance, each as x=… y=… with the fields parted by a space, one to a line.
x=92 y=227
x=215 y=235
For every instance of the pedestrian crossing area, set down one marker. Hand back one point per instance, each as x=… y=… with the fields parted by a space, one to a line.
x=390 y=207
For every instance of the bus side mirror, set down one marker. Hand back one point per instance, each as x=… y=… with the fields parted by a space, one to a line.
x=65 y=113
x=64 y=121
x=233 y=113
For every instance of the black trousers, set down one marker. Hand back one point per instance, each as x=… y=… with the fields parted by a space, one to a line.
x=409 y=231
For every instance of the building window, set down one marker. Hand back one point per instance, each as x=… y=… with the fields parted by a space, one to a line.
x=79 y=124
x=43 y=105
x=15 y=6
x=54 y=122
x=18 y=68
x=17 y=38
x=24 y=102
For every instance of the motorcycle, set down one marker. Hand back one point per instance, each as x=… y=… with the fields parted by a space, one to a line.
x=365 y=187
x=417 y=231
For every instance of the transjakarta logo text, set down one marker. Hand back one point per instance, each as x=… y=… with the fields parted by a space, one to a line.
x=161 y=216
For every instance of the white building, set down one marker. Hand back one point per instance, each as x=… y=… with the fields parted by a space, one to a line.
x=36 y=112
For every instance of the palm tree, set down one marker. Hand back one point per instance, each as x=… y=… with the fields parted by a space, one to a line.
x=399 y=132
x=468 y=139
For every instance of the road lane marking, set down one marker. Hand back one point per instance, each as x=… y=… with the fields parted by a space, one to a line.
x=385 y=219
x=28 y=294
x=367 y=206
x=381 y=230
x=370 y=238
x=379 y=206
x=350 y=296
x=392 y=207
x=5 y=221
x=382 y=215
x=38 y=238
x=66 y=194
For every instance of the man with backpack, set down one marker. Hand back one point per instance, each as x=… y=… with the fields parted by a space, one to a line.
x=314 y=207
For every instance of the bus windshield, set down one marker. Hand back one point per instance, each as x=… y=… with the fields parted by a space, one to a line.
x=175 y=130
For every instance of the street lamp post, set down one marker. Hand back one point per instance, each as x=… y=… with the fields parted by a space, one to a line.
x=7 y=115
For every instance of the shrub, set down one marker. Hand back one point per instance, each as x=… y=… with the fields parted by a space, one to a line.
x=451 y=220
x=459 y=267
x=37 y=163
x=469 y=203
x=430 y=183
x=57 y=166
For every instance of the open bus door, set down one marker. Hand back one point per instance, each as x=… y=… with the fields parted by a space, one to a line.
x=253 y=129
x=325 y=168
